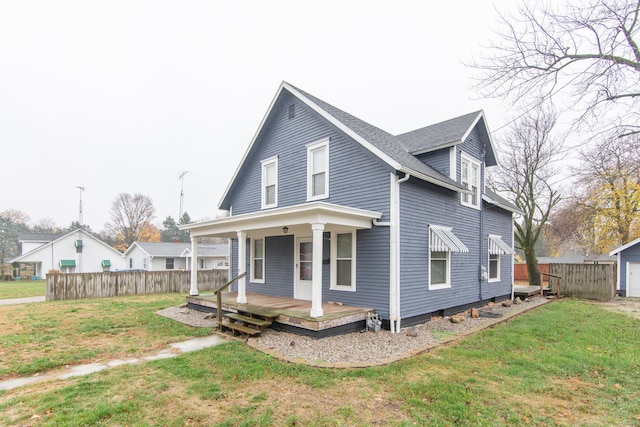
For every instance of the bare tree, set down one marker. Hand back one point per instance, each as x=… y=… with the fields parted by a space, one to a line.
x=586 y=51
x=526 y=175
x=609 y=179
x=130 y=216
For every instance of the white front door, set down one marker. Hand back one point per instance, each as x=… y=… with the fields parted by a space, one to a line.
x=303 y=268
x=633 y=279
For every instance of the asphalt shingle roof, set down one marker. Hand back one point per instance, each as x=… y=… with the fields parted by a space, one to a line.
x=175 y=249
x=382 y=140
x=438 y=135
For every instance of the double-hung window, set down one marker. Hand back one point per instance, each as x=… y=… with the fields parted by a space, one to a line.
x=497 y=248
x=442 y=242
x=318 y=170
x=470 y=178
x=169 y=263
x=270 y=183
x=257 y=260
x=343 y=261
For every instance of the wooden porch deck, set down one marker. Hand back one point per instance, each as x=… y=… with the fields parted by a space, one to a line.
x=289 y=314
x=527 y=291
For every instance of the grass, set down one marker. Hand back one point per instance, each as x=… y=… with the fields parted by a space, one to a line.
x=43 y=336
x=22 y=289
x=566 y=363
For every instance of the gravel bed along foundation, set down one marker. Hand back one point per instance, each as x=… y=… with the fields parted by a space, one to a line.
x=364 y=348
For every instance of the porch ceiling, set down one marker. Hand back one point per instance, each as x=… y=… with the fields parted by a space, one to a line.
x=270 y=222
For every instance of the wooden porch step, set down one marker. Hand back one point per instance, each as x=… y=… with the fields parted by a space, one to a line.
x=240 y=328
x=260 y=323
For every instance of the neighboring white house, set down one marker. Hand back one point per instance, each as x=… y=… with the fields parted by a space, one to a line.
x=74 y=252
x=161 y=256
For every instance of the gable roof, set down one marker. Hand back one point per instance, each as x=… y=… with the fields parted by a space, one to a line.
x=623 y=247
x=177 y=249
x=389 y=148
x=62 y=237
x=446 y=134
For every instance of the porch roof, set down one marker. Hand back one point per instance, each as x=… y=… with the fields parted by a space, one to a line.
x=271 y=222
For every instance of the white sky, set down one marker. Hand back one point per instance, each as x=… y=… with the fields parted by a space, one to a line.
x=123 y=96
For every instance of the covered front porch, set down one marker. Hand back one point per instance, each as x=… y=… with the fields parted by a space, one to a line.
x=282 y=270
x=289 y=314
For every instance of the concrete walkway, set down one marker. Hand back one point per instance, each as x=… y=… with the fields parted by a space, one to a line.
x=173 y=350
x=14 y=301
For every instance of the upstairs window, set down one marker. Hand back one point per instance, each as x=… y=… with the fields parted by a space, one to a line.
x=470 y=178
x=318 y=170
x=270 y=183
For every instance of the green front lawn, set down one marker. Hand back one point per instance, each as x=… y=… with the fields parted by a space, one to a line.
x=23 y=289
x=566 y=363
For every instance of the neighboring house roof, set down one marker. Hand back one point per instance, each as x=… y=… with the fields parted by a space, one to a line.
x=396 y=151
x=493 y=198
x=178 y=249
x=47 y=245
x=623 y=247
x=566 y=259
x=38 y=237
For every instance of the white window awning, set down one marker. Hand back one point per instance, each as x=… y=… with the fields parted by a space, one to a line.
x=497 y=246
x=442 y=239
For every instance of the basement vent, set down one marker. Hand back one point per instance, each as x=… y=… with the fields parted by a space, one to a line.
x=292 y=111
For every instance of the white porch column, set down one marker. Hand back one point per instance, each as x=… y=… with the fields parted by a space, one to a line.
x=194 y=267
x=316 y=276
x=242 y=267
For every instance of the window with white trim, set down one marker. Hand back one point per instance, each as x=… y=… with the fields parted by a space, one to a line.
x=257 y=260
x=439 y=269
x=169 y=264
x=270 y=183
x=343 y=261
x=318 y=170
x=442 y=242
x=494 y=267
x=470 y=179
x=497 y=248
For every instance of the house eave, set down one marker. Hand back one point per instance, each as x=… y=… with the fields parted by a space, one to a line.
x=623 y=247
x=273 y=220
x=437 y=147
x=501 y=205
x=451 y=186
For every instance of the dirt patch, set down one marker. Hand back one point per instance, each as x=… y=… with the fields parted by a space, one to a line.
x=629 y=306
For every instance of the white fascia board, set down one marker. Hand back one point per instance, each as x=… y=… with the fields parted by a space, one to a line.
x=501 y=205
x=384 y=157
x=437 y=182
x=623 y=247
x=309 y=213
x=486 y=125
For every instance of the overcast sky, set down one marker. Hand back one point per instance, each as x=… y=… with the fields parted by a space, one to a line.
x=123 y=96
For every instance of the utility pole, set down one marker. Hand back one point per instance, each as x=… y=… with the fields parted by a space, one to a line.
x=81 y=190
x=181 y=178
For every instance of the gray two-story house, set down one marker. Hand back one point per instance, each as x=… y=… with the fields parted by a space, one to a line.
x=327 y=208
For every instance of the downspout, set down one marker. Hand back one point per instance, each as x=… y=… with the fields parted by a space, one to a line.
x=394 y=249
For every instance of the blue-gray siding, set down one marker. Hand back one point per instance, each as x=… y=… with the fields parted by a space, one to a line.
x=357 y=178
x=439 y=160
x=631 y=254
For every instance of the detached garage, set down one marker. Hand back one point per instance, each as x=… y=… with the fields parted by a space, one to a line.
x=628 y=268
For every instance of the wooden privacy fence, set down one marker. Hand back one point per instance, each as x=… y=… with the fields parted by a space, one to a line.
x=101 y=285
x=588 y=281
